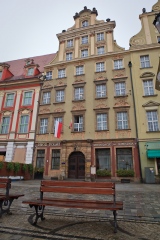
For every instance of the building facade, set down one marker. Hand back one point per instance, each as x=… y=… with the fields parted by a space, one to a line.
x=19 y=96
x=88 y=88
x=145 y=52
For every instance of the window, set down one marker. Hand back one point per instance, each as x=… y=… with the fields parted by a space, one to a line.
x=40 y=158
x=103 y=159
x=68 y=56
x=59 y=119
x=100 y=50
x=118 y=64
x=78 y=123
x=60 y=96
x=120 y=89
x=145 y=63
x=152 y=118
x=46 y=97
x=122 y=120
x=43 y=125
x=84 y=39
x=49 y=75
x=79 y=70
x=24 y=120
x=158 y=39
x=78 y=93
x=0 y=74
x=100 y=37
x=55 y=163
x=124 y=158
x=148 y=87
x=84 y=53
x=30 y=71
x=70 y=43
x=85 y=23
x=101 y=90
x=9 y=99
x=100 y=67
x=61 y=73
x=27 y=100
x=5 y=125
x=102 y=121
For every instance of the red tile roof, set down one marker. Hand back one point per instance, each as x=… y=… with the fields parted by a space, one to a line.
x=17 y=66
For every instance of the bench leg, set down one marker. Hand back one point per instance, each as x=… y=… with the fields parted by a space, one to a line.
x=5 y=206
x=115 y=221
x=39 y=213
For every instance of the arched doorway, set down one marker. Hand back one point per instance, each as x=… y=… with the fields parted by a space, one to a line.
x=76 y=165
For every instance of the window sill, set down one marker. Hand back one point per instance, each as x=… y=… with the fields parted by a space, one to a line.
x=125 y=129
x=154 y=95
x=98 y=98
x=45 y=104
x=104 y=71
x=79 y=100
x=153 y=131
x=118 y=69
x=48 y=79
x=42 y=133
x=121 y=96
x=77 y=131
x=146 y=67
x=107 y=130
x=79 y=75
x=59 y=102
x=60 y=78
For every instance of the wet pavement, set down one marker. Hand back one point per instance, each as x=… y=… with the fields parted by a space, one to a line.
x=140 y=218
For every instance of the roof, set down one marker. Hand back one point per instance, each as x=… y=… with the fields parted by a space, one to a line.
x=17 y=66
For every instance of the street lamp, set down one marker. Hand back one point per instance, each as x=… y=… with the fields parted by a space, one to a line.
x=156 y=22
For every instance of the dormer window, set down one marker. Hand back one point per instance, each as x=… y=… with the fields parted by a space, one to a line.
x=0 y=74
x=85 y=23
x=70 y=43
x=30 y=71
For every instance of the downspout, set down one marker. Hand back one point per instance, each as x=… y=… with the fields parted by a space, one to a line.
x=135 y=118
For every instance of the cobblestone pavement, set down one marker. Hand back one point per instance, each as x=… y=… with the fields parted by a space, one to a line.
x=139 y=220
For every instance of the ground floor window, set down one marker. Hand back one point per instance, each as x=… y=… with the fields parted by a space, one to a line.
x=55 y=163
x=103 y=159
x=40 y=158
x=158 y=165
x=124 y=158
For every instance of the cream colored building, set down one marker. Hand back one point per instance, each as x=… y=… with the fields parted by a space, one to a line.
x=88 y=82
x=145 y=53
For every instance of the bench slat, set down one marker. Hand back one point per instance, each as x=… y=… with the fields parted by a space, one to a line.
x=5 y=185
x=5 y=180
x=75 y=190
x=78 y=184
x=97 y=205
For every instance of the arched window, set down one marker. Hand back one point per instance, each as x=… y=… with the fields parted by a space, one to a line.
x=85 y=23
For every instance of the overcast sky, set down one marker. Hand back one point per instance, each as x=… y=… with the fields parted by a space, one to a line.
x=29 y=27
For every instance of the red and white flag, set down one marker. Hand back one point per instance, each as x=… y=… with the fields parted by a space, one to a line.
x=58 y=128
x=70 y=126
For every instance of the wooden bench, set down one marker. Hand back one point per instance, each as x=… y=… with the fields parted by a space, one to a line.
x=6 y=198
x=49 y=186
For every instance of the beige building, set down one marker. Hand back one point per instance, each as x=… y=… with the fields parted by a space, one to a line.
x=88 y=83
x=145 y=53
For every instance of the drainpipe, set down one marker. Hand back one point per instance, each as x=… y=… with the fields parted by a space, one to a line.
x=135 y=118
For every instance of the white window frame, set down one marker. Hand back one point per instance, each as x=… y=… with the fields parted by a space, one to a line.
x=61 y=73
x=101 y=90
x=84 y=53
x=120 y=89
x=100 y=67
x=122 y=120
x=43 y=125
x=152 y=120
x=102 y=121
x=5 y=125
x=49 y=75
x=148 y=87
x=78 y=93
x=69 y=43
x=60 y=95
x=79 y=70
x=78 y=125
x=100 y=36
x=145 y=61
x=9 y=100
x=84 y=39
x=118 y=64
x=23 y=126
x=69 y=56
x=85 y=23
x=30 y=71
x=46 y=97
x=27 y=100
x=100 y=50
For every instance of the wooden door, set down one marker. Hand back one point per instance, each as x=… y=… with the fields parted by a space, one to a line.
x=76 y=166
